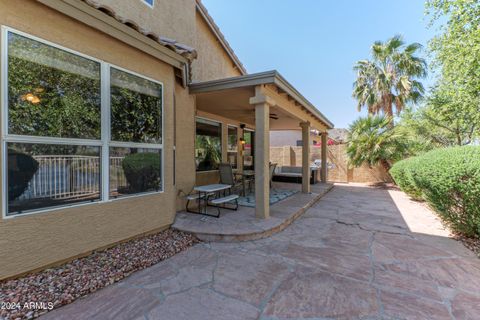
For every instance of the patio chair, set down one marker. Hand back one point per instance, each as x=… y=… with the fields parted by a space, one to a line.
x=227 y=177
x=272 y=168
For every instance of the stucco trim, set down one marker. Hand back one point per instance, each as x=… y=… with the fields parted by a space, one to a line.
x=221 y=38
x=97 y=19
x=262 y=78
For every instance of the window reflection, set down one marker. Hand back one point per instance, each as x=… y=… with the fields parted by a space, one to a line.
x=46 y=175
x=232 y=146
x=248 y=150
x=51 y=92
x=136 y=114
x=208 y=145
x=134 y=170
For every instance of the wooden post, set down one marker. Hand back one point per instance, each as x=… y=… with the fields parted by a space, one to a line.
x=262 y=105
x=305 y=157
x=323 y=172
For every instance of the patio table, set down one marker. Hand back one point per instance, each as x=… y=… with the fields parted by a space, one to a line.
x=205 y=192
x=246 y=174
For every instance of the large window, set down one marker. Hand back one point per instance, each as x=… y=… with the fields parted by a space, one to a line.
x=48 y=175
x=232 y=150
x=68 y=142
x=136 y=108
x=51 y=92
x=208 y=144
x=136 y=134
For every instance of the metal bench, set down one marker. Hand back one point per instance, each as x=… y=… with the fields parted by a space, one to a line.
x=196 y=196
x=223 y=201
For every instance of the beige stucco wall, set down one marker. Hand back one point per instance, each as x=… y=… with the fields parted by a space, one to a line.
x=185 y=144
x=32 y=241
x=180 y=20
x=213 y=61
x=171 y=19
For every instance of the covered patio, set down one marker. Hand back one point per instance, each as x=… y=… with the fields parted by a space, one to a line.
x=259 y=103
x=243 y=225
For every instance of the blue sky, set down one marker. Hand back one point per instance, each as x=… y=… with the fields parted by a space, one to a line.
x=315 y=43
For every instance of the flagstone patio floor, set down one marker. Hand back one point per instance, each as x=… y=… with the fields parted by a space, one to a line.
x=242 y=225
x=358 y=253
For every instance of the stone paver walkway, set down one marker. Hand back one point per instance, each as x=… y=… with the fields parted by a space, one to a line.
x=353 y=255
x=242 y=224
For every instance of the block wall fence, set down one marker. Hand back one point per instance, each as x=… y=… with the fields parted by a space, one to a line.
x=337 y=155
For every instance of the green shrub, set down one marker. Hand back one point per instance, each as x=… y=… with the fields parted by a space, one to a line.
x=401 y=173
x=21 y=168
x=450 y=182
x=142 y=171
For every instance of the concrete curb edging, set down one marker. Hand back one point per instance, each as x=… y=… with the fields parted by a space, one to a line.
x=212 y=237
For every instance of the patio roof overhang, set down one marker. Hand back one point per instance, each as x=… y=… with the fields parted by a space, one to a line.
x=231 y=97
x=265 y=101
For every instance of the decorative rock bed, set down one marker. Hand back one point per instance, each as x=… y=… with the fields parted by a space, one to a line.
x=61 y=285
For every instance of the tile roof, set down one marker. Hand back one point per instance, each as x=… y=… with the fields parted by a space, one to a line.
x=182 y=49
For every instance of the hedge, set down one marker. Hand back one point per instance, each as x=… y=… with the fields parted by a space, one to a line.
x=401 y=172
x=21 y=169
x=142 y=171
x=449 y=180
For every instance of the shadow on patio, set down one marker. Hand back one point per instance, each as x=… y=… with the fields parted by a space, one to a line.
x=358 y=253
x=242 y=225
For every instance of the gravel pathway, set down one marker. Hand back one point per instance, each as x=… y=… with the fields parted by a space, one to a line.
x=61 y=285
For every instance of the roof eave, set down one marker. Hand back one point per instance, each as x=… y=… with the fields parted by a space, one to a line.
x=262 y=78
x=85 y=13
x=281 y=82
x=221 y=38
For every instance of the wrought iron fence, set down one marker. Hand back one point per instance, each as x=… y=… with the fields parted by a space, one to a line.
x=63 y=177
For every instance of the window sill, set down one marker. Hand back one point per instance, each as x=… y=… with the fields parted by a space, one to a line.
x=49 y=210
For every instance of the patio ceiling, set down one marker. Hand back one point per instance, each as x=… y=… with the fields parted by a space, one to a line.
x=230 y=98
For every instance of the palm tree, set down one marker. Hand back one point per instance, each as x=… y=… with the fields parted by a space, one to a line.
x=390 y=77
x=372 y=140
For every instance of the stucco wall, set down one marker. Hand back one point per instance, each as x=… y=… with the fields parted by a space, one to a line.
x=171 y=19
x=213 y=61
x=185 y=144
x=32 y=241
x=179 y=20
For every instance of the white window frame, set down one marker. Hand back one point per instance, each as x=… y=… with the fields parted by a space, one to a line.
x=104 y=142
x=221 y=140
x=148 y=4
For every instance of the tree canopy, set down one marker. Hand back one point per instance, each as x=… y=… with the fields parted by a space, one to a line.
x=372 y=141
x=390 y=78
x=455 y=99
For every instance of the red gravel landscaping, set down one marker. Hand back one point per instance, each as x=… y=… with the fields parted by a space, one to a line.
x=61 y=285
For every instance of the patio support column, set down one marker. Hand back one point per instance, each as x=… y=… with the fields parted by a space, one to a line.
x=323 y=172
x=305 y=157
x=262 y=105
